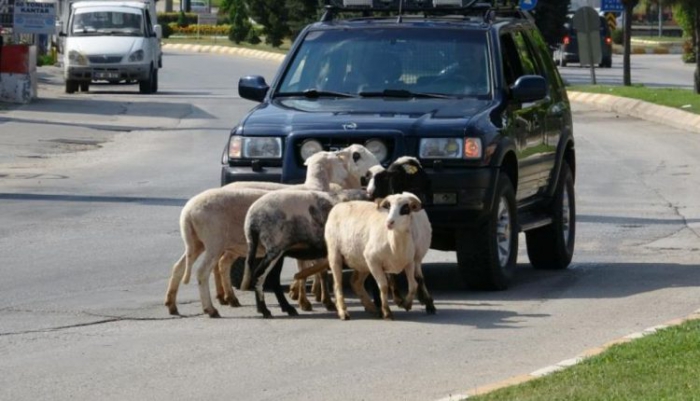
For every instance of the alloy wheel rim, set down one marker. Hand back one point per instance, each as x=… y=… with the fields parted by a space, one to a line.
x=503 y=232
x=566 y=217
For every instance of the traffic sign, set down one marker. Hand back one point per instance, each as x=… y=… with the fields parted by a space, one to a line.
x=611 y=5
x=611 y=18
x=528 y=5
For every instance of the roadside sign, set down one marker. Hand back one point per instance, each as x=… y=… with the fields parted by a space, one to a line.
x=528 y=5
x=611 y=5
x=611 y=18
x=587 y=24
x=33 y=17
x=206 y=19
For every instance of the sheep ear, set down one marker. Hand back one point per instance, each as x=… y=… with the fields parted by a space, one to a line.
x=380 y=202
x=415 y=206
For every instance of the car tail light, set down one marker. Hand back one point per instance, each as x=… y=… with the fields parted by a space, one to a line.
x=608 y=40
x=567 y=40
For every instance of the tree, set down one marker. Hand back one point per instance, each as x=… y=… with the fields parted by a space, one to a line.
x=240 y=25
x=301 y=13
x=272 y=15
x=691 y=8
x=626 y=72
x=550 y=16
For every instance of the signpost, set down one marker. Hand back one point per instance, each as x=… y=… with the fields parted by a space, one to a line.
x=528 y=5
x=615 y=6
x=587 y=25
x=206 y=19
x=34 y=18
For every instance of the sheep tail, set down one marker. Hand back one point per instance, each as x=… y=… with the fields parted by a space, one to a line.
x=249 y=261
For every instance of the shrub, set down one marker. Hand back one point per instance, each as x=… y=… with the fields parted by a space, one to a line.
x=204 y=30
x=688 y=51
x=167 y=30
x=240 y=24
x=253 y=38
x=166 y=18
x=618 y=36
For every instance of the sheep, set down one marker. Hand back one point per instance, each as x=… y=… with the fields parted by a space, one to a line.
x=358 y=161
x=287 y=223
x=404 y=175
x=212 y=223
x=373 y=238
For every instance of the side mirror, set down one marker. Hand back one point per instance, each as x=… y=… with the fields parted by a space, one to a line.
x=253 y=87
x=529 y=88
x=62 y=34
x=158 y=31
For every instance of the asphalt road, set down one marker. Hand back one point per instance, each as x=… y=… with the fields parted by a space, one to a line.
x=91 y=187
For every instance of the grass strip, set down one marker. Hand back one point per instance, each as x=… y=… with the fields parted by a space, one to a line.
x=684 y=99
x=660 y=366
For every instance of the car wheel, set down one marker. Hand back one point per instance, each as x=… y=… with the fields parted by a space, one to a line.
x=71 y=86
x=563 y=62
x=154 y=81
x=146 y=86
x=84 y=86
x=487 y=256
x=552 y=247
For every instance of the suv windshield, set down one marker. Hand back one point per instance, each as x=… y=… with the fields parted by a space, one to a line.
x=107 y=23
x=389 y=62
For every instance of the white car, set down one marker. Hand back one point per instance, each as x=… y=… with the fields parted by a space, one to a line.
x=199 y=6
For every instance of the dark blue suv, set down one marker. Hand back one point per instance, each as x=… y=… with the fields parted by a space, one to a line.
x=469 y=88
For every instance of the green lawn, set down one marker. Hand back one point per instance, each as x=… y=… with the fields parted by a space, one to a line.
x=662 y=366
x=683 y=99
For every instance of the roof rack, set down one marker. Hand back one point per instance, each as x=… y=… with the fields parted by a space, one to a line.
x=490 y=10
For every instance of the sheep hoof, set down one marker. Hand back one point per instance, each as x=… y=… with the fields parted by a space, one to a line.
x=330 y=306
x=344 y=316
x=173 y=310
x=291 y=311
x=233 y=302
x=293 y=294
x=306 y=306
x=221 y=299
x=387 y=315
x=430 y=309
x=213 y=313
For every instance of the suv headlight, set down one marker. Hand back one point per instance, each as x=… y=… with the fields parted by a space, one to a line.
x=254 y=147
x=136 y=56
x=77 y=58
x=450 y=148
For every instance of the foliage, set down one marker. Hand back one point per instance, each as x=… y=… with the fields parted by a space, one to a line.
x=301 y=13
x=688 y=51
x=618 y=36
x=166 y=18
x=45 y=59
x=240 y=23
x=182 y=20
x=203 y=30
x=253 y=38
x=272 y=15
x=550 y=16
x=167 y=30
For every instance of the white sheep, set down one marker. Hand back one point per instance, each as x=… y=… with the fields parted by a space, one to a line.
x=212 y=223
x=377 y=239
x=287 y=223
x=358 y=161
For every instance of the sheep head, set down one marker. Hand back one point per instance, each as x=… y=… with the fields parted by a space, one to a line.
x=400 y=207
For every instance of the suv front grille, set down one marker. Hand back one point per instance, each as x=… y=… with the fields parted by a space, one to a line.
x=105 y=59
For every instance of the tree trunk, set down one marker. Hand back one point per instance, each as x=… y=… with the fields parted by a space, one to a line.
x=168 y=6
x=627 y=75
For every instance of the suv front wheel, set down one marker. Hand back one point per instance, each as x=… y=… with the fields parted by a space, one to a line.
x=487 y=256
x=552 y=247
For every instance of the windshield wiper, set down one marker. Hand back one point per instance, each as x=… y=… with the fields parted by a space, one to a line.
x=403 y=93
x=315 y=93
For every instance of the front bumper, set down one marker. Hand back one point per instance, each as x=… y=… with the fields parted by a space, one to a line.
x=231 y=174
x=110 y=72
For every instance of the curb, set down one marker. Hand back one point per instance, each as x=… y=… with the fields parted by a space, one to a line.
x=237 y=51
x=481 y=390
x=640 y=109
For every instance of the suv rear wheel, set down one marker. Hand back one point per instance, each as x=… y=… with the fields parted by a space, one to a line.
x=552 y=247
x=486 y=256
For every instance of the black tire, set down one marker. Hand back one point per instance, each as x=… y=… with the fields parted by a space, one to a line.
x=146 y=86
x=551 y=247
x=71 y=86
x=84 y=86
x=154 y=81
x=563 y=62
x=486 y=260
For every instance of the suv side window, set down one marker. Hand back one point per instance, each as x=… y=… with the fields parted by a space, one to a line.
x=525 y=52
x=512 y=69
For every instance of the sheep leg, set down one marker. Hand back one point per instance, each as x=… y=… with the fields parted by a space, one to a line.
x=226 y=296
x=335 y=260
x=357 y=283
x=203 y=273
x=191 y=253
x=274 y=282
x=395 y=292
x=423 y=295
x=304 y=303
x=326 y=292
x=316 y=287
x=412 y=286
x=380 y=278
x=294 y=289
x=259 y=275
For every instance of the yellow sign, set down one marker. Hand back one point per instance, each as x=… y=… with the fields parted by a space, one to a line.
x=612 y=21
